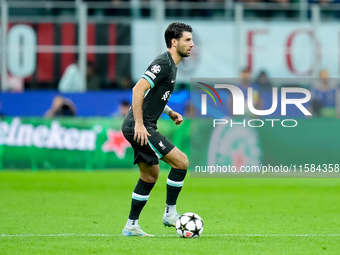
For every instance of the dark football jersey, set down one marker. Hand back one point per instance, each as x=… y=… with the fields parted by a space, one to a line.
x=161 y=74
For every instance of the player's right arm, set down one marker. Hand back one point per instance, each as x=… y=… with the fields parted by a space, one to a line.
x=138 y=93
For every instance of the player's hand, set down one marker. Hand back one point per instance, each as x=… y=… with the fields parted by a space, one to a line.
x=176 y=117
x=141 y=134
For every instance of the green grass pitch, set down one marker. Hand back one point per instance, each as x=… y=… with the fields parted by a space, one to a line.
x=81 y=212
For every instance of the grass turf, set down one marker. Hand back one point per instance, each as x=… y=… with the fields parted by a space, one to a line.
x=59 y=213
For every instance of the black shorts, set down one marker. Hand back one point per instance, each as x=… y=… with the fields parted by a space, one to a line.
x=157 y=147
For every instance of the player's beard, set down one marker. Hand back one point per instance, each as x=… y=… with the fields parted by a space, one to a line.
x=182 y=52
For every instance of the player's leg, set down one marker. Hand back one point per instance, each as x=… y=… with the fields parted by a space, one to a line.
x=149 y=175
x=148 y=165
x=179 y=165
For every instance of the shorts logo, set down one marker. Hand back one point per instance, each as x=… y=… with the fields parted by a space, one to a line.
x=166 y=95
x=162 y=145
x=155 y=68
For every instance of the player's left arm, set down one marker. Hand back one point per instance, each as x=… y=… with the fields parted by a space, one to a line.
x=175 y=116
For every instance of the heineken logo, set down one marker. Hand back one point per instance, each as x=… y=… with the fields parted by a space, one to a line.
x=56 y=136
x=116 y=142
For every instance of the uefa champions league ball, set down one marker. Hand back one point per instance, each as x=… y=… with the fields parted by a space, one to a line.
x=189 y=225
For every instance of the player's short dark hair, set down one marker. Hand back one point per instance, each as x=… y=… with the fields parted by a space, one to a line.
x=175 y=30
x=125 y=103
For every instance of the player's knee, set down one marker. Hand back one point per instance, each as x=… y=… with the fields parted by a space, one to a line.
x=150 y=177
x=183 y=162
x=153 y=178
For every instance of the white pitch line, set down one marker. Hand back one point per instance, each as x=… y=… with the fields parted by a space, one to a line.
x=207 y=235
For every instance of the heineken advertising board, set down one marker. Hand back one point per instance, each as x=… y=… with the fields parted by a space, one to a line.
x=98 y=143
x=69 y=143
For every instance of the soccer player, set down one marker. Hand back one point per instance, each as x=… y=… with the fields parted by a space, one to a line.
x=149 y=98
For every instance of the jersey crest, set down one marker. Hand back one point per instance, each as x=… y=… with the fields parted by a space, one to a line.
x=166 y=95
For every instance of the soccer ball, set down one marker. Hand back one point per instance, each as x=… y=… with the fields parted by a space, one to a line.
x=189 y=225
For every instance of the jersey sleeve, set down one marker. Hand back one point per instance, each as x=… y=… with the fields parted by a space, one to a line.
x=156 y=73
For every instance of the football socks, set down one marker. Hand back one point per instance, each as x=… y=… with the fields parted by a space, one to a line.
x=174 y=185
x=139 y=198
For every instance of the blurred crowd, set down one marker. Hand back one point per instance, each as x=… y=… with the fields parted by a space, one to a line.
x=325 y=101
x=325 y=91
